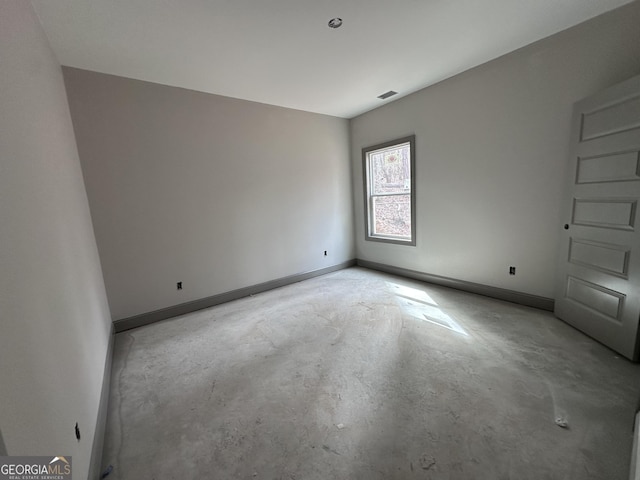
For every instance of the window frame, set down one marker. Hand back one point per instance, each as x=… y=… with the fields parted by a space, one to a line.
x=368 y=197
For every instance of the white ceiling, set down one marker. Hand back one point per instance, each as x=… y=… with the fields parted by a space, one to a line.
x=282 y=52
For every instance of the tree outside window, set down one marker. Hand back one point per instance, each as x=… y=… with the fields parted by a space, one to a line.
x=389 y=191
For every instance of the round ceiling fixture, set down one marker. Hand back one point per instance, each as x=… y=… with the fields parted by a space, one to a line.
x=335 y=22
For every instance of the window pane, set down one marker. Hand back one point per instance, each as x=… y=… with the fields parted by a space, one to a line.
x=391 y=170
x=388 y=183
x=392 y=215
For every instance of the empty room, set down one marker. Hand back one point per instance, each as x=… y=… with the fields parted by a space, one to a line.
x=320 y=239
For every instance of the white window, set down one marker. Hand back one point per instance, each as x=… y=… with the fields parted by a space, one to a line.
x=389 y=183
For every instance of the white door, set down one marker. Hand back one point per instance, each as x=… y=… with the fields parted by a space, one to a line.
x=598 y=284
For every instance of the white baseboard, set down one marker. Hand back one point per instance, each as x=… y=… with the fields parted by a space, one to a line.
x=95 y=464
x=173 y=311
x=477 y=288
x=635 y=453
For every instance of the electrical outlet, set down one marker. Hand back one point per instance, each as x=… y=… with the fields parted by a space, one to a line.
x=179 y=285
x=512 y=270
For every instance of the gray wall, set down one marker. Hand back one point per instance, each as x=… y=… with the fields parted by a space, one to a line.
x=215 y=192
x=492 y=146
x=55 y=322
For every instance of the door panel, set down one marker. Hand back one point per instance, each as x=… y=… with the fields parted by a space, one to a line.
x=606 y=257
x=614 y=167
x=593 y=296
x=598 y=284
x=611 y=119
x=604 y=212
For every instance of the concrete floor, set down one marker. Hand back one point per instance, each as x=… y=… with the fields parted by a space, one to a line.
x=362 y=375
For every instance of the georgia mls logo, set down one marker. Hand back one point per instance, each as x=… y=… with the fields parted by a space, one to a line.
x=35 y=468
x=63 y=466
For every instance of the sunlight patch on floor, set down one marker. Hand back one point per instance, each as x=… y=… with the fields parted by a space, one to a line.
x=420 y=305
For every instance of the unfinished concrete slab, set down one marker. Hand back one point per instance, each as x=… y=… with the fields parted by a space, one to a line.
x=363 y=375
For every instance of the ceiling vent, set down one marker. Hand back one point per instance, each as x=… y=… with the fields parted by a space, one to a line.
x=386 y=95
